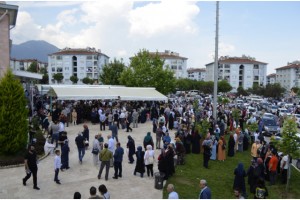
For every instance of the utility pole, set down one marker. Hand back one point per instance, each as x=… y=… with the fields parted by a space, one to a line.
x=216 y=63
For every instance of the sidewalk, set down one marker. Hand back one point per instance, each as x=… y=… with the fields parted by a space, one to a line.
x=81 y=177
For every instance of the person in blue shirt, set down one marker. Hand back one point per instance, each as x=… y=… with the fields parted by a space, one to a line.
x=205 y=192
x=118 y=158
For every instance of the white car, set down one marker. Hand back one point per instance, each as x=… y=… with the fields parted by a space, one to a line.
x=274 y=109
x=283 y=111
x=297 y=116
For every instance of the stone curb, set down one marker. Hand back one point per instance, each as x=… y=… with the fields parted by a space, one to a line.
x=20 y=165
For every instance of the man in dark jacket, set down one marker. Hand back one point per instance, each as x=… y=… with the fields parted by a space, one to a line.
x=118 y=158
x=31 y=166
x=80 y=142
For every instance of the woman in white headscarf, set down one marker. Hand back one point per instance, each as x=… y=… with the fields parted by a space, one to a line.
x=149 y=160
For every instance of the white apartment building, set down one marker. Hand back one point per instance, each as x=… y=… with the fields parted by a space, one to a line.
x=197 y=74
x=289 y=76
x=175 y=62
x=82 y=63
x=271 y=78
x=239 y=71
x=23 y=64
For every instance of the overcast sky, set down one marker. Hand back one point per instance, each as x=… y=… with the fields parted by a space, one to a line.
x=268 y=31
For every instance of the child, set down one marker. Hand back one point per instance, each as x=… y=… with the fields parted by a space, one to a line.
x=57 y=165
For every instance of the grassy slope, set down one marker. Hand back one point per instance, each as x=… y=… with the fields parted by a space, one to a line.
x=220 y=178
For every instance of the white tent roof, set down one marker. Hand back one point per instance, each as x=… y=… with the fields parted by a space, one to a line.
x=93 y=92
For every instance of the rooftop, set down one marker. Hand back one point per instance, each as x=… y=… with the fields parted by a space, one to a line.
x=238 y=60
x=78 y=51
x=272 y=75
x=169 y=55
x=11 y=10
x=295 y=64
x=191 y=70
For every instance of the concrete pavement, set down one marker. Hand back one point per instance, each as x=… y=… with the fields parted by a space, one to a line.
x=81 y=177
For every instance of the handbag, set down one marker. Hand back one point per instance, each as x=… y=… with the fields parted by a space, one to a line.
x=150 y=160
x=95 y=151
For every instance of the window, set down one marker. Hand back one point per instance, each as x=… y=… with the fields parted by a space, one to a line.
x=95 y=63
x=89 y=63
x=59 y=69
x=95 y=57
x=255 y=67
x=180 y=67
x=58 y=57
x=89 y=57
x=173 y=67
x=66 y=68
x=227 y=66
x=53 y=69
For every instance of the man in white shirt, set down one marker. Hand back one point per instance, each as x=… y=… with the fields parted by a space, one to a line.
x=172 y=193
x=284 y=165
x=57 y=165
x=111 y=147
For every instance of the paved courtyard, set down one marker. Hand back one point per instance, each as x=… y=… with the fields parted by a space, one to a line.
x=81 y=177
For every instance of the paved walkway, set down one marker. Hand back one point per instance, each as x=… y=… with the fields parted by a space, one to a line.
x=81 y=177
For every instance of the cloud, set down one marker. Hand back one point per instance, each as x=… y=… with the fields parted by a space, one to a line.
x=68 y=17
x=224 y=50
x=163 y=17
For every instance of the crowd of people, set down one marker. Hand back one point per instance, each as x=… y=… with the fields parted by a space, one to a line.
x=183 y=117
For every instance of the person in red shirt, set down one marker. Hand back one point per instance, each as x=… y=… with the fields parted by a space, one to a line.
x=273 y=167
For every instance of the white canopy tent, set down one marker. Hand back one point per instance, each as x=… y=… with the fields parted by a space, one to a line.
x=93 y=92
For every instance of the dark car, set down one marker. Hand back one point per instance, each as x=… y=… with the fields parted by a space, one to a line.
x=270 y=126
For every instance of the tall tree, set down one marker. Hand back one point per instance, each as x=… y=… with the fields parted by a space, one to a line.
x=290 y=142
x=111 y=72
x=58 y=77
x=33 y=67
x=45 y=79
x=13 y=115
x=146 y=70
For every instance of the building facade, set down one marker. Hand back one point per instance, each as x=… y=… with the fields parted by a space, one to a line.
x=81 y=63
x=8 y=18
x=239 y=71
x=175 y=62
x=197 y=74
x=271 y=78
x=23 y=64
x=289 y=76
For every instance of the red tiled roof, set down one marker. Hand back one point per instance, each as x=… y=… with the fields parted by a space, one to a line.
x=191 y=70
x=238 y=60
x=75 y=52
x=271 y=75
x=289 y=66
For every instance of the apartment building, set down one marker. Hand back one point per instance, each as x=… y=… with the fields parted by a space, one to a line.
x=175 y=62
x=23 y=64
x=289 y=76
x=197 y=74
x=81 y=63
x=242 y=71
x=8 y=18
x=271 y=78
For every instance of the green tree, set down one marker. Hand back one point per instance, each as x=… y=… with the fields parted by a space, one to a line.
x=241 y=91
x=13 y=115
x=273 y=90
x=43 y=70
x=224 y=86
x=111 y=72
x=290 y=142
x=146 y=70
x=33 y=67
x=236 y=114
x=207 y=87
x=58 y=77
x=74 y=79
x=87 y=80
x=45 y=79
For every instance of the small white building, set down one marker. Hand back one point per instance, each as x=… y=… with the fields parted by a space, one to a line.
x=271 y=78
x=242 y=71
x=175 y=62
x=23 y=64
x=81 y=63
x=289 y=76
x=197 y=74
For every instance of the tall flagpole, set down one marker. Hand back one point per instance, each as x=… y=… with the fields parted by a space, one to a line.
x=216 y=63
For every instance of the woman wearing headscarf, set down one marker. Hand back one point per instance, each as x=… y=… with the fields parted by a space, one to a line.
x=140 y=165
x=171 y=120
x=148 y=140
x=231 y=144
x=180 y=151
x=239 y=179
x=86 y=134
x=214 y=149
x=131 y=149
x=250 y=173
x=196 y=137
x=169 y=161
x=149 y=160
x=65 y=155
x=221 y=149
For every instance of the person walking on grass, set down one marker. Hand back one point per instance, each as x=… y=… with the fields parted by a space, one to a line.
x=57 y=165
x=205 y=192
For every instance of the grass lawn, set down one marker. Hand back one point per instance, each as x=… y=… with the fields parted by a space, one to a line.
x=220 y=178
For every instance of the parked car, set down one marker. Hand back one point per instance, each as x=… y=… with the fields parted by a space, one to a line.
x=274 y=109
x=270 y=126
x=283 y=111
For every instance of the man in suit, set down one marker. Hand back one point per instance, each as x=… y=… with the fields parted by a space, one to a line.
x=205 y=192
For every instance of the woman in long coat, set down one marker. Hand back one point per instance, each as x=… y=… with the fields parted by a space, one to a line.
x=231 y=144
x=221 y=150
x=140 y=164
x=148 y=140
x=171 y=120
x=131 y=149
x=239 y=179
x=65 y=155
x=214 y=150
x=195 y=142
